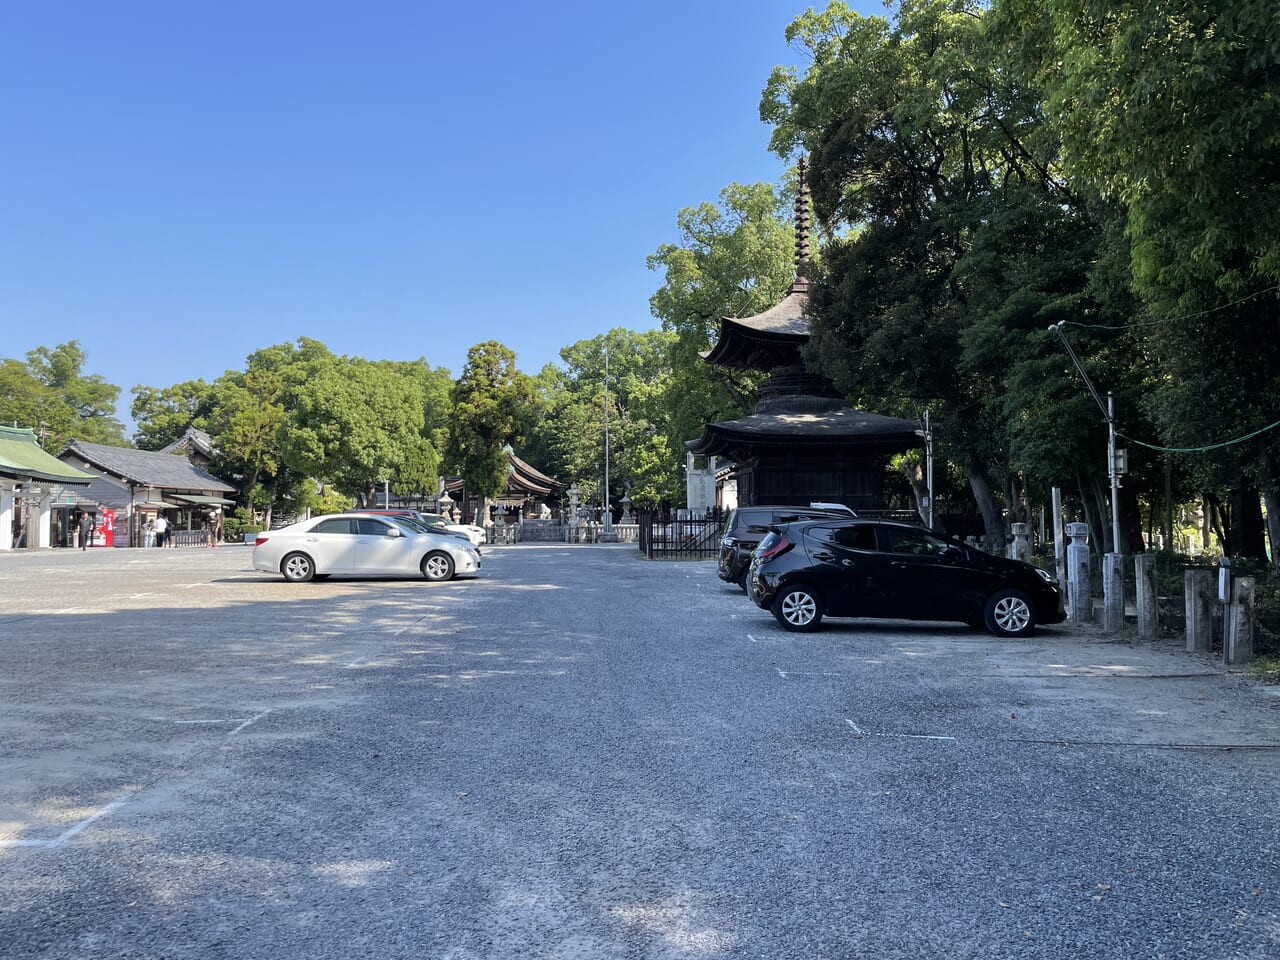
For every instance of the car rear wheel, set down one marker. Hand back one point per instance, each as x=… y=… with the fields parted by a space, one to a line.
x=798 y=608
x=437 y=566
x=297 y=568
x=1008 y=613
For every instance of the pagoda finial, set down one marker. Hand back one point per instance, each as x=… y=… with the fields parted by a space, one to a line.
x=802 y=228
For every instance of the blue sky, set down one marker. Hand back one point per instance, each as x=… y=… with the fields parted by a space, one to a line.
x=182 y=184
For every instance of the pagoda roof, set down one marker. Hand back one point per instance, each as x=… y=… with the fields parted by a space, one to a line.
x=869 y=433
x=767 y=339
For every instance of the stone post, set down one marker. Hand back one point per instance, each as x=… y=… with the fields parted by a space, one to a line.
x=1079 y=601
x=571 y=533
x=1021 y=542
x=1237 y=643
x=1112 y=592
x=1148 y=597
x=627 y=516
x=1198 y=586
x=41 y=534
x=6 y=514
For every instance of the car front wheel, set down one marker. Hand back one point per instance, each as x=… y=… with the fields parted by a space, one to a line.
x=744 y=579
x=297 y=568
x=798 y=608
x=1008 y=613
x=437 y=566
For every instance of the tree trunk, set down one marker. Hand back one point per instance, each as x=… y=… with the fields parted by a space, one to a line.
x=1247 y=539
x=1273 y=525
x=1131 y=521
x=1218 y=522
x=915 y=476
x=1271 y=500
x=992 y=518
x=1102 y=518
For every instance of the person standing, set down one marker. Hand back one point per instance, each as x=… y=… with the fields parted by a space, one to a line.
x=149 y=533
x=86 y=529
x=162 y=529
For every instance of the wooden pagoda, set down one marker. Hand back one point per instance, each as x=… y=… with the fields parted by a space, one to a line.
x=802 y=442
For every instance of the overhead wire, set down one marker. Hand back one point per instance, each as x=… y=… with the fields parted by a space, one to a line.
x=1057 y=328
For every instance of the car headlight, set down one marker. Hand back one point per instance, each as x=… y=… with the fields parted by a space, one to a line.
x=1046 y=576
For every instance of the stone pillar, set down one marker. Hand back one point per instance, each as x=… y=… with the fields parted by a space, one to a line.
x=1198 y=585
x=1079 y=600
x=1237 y=642
x=1148 y=597
x=1112 y=592
x=41 y=533
x=1022 y=542
x=571 y=532
x=627 y=516
x=6 y=515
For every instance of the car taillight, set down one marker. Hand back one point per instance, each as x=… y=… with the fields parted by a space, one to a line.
x=770 y=547
x=259 y=540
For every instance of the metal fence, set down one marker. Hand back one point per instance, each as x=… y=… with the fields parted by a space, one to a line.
x=662 y=536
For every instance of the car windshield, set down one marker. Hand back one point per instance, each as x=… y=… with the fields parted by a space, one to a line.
x=410 y=524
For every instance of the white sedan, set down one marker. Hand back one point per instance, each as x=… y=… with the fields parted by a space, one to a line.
x=361 y=545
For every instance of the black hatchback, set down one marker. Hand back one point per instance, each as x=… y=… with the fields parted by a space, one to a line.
x=877 y=568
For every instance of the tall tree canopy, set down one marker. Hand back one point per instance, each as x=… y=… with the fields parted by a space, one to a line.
x=491 y=404
x=53 y=395
x=569 y=433
x=959 y=238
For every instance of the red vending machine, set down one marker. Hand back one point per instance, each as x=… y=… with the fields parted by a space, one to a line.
x=104 y=534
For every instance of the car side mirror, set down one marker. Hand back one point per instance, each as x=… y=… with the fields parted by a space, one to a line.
x=951 y=553
x=393 y=532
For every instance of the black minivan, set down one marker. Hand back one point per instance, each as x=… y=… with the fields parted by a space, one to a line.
x=882 y=569
x=747 y=526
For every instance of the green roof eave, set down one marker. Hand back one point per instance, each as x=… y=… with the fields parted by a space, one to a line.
x=22 y=459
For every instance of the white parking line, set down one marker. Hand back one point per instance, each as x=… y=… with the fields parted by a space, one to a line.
x=70 y=832
x=859 y=733
x=247 y=722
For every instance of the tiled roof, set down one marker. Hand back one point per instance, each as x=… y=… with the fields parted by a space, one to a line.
x=22 y=458
x=166 y=470
x=192 y=439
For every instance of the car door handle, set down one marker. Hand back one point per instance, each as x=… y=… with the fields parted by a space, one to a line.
x=900 y=564
x=824 y=556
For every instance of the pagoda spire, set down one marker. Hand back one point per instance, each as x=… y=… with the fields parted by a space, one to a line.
x=801 y=282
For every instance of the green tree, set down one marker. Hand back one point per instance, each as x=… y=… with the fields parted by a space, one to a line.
x=164 y=413
x=349 y=421
x=960 y=239
x=569 y=431
x=51 y=394
x=1173 y=110
x=491 y=403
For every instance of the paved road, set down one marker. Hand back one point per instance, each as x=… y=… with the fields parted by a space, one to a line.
x=586 y=755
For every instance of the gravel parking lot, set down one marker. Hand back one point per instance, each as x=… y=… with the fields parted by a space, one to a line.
x=582 y=754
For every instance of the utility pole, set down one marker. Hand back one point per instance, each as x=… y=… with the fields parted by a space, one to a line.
x=606 y=534
x=1114 y=469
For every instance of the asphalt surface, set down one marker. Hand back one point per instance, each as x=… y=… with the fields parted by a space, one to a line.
x=582 y=754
